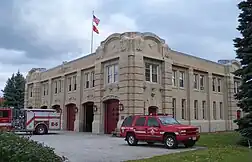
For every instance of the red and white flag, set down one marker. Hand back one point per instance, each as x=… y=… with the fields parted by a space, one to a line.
x=95 y=29
x=96 y=20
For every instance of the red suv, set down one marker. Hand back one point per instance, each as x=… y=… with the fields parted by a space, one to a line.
x=158 y=129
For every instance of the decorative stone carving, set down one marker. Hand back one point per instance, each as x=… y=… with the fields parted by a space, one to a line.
x=110 y=97
x=124 y=43
x=57 y=100
x=139 y=43
x=71 y=99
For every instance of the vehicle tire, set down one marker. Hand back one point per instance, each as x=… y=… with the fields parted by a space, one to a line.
x=41 y=129
x=131 y=139
x=189 y=144
x=170 y=142
x=150 y=143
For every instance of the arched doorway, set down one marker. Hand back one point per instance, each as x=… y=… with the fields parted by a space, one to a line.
x=57 y=108
x=43 y=107
x=111 y=115
x=88 y=116
x=70 y=116
x=152 y=110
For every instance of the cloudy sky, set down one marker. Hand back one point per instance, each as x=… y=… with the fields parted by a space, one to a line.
x=43 y=33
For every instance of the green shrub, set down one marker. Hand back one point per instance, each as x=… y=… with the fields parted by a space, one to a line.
x=244 y=142
x=14 y=148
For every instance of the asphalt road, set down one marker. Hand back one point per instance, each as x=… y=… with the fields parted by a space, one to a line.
x=84 y=147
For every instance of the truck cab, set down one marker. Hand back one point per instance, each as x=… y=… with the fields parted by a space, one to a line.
x=158 y=128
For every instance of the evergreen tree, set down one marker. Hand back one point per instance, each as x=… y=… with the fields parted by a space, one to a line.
x=243 y=46
x=13 y=92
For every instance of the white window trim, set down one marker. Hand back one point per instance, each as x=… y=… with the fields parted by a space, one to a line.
x=196 y=80
x=113 y=79
x=182 y=77
x=202 y=87
x=174 y=76
x=150 y=71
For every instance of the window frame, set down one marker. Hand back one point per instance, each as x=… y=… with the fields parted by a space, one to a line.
x=150 y=71
x=174 y=78
x=182 y=79
x=196 y=109
x=114 y=76
x=174 y=108
x=202 y=82
x=183 y=109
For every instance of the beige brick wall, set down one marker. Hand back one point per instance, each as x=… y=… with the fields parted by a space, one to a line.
x=131 y=51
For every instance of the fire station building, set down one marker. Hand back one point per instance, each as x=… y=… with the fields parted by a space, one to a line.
x=136 y=73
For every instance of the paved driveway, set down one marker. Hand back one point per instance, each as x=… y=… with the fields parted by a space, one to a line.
x=83 y=147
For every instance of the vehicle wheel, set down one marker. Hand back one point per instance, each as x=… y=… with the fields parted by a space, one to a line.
x=171 y=142
x=150 y=143
x=41 y=129
x=189 y=144
x=131 y=139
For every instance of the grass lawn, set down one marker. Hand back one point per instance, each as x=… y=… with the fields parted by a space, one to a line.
x=221 y=148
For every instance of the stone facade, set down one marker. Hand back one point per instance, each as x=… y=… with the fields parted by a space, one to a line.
x=141 y=72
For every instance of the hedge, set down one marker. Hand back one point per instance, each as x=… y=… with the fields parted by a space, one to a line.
x=15 y=148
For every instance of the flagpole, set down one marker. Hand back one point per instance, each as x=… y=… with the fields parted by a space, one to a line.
x=92 y=34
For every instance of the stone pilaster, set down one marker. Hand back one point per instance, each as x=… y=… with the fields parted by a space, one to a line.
x=209 y=103
x=62 y=103
x=190 y=100
x=231 y=103
x=78 y=101
x=36 y=95
x=167 y=86
x=50 y=91
x=98 y=123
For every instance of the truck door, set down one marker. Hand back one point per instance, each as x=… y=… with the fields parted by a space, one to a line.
x=30 y=120
x=153 y=129
x=140 y=128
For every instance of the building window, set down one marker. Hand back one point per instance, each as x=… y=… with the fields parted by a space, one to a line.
x=87 y=78
x=174 y=78
x=44 y=89
x=75 y=82
x=151 y=72
x=195 y=81
x=30 y=91
x=203 y=109
x=69 y=84
x=219 y=85
x=60 y=85
x=221 y=111
x=92 y=79
x=214 y=110
x=181 y=78
x=213 y=83
x=55 y=87
x=112 y=73
x=235 y=87
x=47 y=89
x=196 y=109
x=201 y=82
x=174 y=107
x=115 y=73
x=183 y=109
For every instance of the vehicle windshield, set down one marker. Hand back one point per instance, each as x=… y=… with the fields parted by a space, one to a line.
x=168 y=120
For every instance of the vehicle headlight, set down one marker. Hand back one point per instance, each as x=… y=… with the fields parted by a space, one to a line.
x=182 y=131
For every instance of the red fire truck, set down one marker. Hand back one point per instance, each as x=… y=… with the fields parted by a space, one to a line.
x=37 y=121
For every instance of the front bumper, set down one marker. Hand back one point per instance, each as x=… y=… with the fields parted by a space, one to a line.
x=183 y=138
